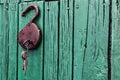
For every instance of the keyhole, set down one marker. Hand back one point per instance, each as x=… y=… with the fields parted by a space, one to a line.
x=28 y=44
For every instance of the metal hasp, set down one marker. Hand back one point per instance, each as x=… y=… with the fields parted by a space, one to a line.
x=30 y=36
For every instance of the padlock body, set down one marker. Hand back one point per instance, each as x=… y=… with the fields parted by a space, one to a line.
x=30 y=33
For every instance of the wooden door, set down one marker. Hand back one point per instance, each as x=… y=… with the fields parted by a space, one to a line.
x=80 y=40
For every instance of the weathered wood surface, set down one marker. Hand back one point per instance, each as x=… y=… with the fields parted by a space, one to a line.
x=65 y=40
x=12 y=41
x=8 y=41
x=80 y=26
x=4 y=54
x=18 y=1
x=115 y=55
x=91 y=54
x=95 y=55
x=35 y=59
x=51 y=41
x=74 y=40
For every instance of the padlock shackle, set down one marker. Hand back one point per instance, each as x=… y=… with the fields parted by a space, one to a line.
x=29 y=8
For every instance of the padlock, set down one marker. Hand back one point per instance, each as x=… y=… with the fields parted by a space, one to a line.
x=29 y=37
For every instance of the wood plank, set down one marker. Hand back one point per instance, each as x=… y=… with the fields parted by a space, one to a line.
x=27 y=0
x=80 y=26
x=51 y=41
x=1 y=40
x=9 y=1
x=65 y=40
x=30 y=0
x=4 y=38
x=35 y=59
x=13 y=26
x=17 y=1
x=115 y=55
x=95 y=65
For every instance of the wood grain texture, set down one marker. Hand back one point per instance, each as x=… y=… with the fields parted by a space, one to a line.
x=1 y=41
x=74 y=40
x=13 y=26
x=35 y=59
x=30 y=0
x=9 y=1
x=115 y=56
x=65 y=40
x=95 y=65
x=8 y=40
x=51 y=41
x=80 y=29
x=4 y=38
x=19 y=1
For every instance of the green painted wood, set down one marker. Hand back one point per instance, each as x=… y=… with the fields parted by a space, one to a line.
x=8 y=51
x=51 y=41
x=31 y=0
x=35 y=59
x=95 y=65
x=65 y=40
x=115 y=55
x=18 y=1
x=1 y=41
x=74 y=43
x=4 y=38
x=9 y=1
x=80 y=29
x=13 y=26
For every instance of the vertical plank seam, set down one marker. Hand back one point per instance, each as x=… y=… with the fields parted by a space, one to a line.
x=85 y=46
x=117 y=4
x=2 y=39
x=17 y=43
x=58 y=39
x=73 y=42
x=109 y=40
x=43 y=40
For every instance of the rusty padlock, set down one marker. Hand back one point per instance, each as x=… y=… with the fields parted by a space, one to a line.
x=30 y=36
